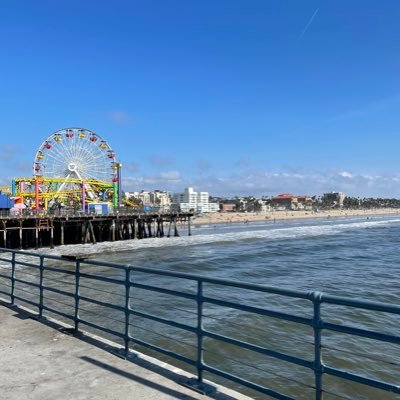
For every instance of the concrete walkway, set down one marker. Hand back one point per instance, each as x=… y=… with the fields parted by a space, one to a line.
x=39 y=362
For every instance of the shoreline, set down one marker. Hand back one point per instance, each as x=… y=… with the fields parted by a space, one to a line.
x=247 y=217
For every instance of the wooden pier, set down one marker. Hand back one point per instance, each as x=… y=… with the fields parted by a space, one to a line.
x=29 y=232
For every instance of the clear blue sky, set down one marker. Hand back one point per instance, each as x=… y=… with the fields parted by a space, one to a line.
x=247 y=97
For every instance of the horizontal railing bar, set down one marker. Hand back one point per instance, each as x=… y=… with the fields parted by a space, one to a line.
x=25 y=272
x=360 y=379
x=99 y=290
x=7 y=260
x=102 y=303
x=58 y=291
x=164 y=321
x=62 y=314
x=32 y=303
x=193 y=313
x=338 y=396
x=363 y=355
x=161 y=350
x=264 y=371
x=59 y=270
x=5 y=277
x=58 y=302
x=361 y=332
x=26 y=264
x=259 y=330
x=101 y=328
x=32 y=254
x=5 y=293
x=164 y=291
x=365 y=304
x=259 y=349
x=257 y=310
x=244 y=382
x=179 y=342
x=48 y=279
x=26 y=291
x=84 y=309
x=37 y=285
x=103 y=279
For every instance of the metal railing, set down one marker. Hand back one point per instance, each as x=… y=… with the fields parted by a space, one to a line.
x=119 y=211
x=52 y=274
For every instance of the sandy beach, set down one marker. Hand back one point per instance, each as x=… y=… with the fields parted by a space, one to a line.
x=247 y=217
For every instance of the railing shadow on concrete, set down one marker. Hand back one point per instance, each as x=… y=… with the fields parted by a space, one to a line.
x=51 y=275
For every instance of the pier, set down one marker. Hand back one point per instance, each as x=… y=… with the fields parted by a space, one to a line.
x=165 y=314
x=34 y=232
x=54 y=365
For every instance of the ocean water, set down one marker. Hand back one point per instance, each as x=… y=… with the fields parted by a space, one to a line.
x=356 y=257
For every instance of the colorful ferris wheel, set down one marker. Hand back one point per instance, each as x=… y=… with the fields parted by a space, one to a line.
x=77 y=164
x=76 y=153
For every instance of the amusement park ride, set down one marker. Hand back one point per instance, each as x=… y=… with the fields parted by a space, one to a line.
x=73 y=167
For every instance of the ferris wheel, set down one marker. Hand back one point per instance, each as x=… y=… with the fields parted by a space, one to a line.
x=76 y=153
x=75 y=160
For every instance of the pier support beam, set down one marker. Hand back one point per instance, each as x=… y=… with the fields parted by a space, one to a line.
x=20 y=235
x=149 y=228
x=62 y=227
x=176 y=232
x=169 y=229
x=51 y=235
x=134 y=229
x=91 y=231
x=5 y=234
x=113 y=230
x=37 y=234
x=189 y=227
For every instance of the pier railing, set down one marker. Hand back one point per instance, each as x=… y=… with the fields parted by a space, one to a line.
x=70 y=213
x=64 y=287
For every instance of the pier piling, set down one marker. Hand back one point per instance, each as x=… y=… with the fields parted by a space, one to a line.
x=25 y=232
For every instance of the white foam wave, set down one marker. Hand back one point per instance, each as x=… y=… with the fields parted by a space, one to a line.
x=279 y=233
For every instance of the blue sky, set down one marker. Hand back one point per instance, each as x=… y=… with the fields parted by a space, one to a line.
x=235 y=97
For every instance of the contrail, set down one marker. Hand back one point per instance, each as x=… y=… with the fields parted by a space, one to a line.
x=308 y=24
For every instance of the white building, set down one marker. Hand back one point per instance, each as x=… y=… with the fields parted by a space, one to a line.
x=190 y=200
x=158 y=198
x=334 y=198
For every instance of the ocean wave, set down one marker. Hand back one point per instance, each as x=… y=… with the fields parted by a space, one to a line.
x=279 y=233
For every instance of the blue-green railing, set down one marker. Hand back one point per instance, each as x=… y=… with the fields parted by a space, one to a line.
x=13 y=262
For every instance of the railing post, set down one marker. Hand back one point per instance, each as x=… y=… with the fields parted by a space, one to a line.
x=41 y=271
x=13 y=278
x=77 y=294
x=318 y=366
x=200 y=352
x=127 y=308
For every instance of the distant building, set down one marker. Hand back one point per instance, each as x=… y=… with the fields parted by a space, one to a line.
x=292 y=202
x=158 y=198
x=225 y=207
x=334 y=198
x=265 y=207
x=189 y=200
